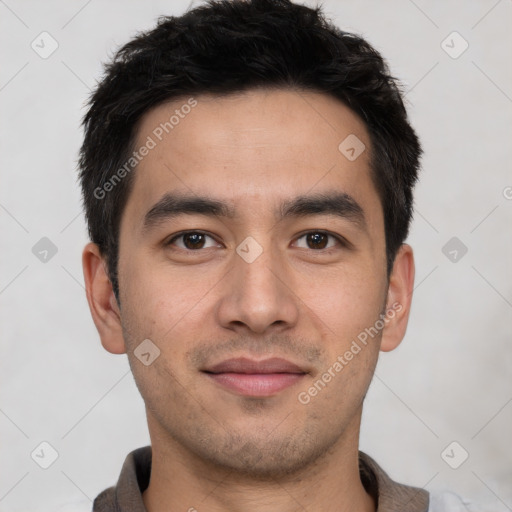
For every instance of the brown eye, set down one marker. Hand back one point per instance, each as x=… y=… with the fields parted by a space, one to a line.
x=191 y=240
x=318 y=240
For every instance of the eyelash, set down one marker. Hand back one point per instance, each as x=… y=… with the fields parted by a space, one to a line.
x=341 y=241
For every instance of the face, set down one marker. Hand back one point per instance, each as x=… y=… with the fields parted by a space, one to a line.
x=249 y=235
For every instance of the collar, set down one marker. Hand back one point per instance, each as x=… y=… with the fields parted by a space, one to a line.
x=126 y=496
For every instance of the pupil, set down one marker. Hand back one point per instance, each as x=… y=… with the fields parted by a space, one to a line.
x=194 y=240
x=316 y=239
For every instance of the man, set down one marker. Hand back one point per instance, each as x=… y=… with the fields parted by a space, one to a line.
x=247 y=173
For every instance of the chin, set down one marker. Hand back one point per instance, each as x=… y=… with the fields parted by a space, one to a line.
x=266 y=458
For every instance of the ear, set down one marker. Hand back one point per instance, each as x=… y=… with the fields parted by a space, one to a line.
x=102 y=301
x=398 y=303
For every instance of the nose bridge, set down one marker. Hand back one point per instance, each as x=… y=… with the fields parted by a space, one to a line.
x=258 y=267
x=258 y=295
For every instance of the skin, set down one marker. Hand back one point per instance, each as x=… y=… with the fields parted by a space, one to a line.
x=214 y=449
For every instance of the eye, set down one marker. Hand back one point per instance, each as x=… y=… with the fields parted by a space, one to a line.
x=191 y=240
x=319 y=240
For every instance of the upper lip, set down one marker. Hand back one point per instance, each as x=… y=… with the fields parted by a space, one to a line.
x=244 y=365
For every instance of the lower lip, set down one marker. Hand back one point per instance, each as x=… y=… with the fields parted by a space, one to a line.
x=257 y=384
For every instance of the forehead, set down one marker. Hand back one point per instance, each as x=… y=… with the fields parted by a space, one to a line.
x=264 y=145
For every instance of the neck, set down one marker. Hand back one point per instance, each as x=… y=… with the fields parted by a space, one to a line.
x=181 y=481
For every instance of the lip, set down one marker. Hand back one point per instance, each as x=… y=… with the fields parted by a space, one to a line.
x=249 y=377
x=251 y=366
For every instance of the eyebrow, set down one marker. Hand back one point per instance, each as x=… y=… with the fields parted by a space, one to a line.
x=335 y=203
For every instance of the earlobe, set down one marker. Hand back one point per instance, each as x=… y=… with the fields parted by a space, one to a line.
x=102 y=302
x=398 y=305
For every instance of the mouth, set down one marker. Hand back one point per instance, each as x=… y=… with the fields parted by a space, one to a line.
x=255 y=378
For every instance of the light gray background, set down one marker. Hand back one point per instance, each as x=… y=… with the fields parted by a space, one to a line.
x=449 y=381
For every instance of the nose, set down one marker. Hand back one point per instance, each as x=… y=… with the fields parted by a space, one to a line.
x=258 y=295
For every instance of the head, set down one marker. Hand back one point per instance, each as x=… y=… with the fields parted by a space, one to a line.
x=247 y=173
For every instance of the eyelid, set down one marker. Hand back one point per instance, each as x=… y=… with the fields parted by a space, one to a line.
x=342 y=241
x=178 y=235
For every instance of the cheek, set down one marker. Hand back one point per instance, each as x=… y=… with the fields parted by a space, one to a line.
x=170 y=321
x=159 y=299
x=171 y=310
x=334 y=394
x=345 y=301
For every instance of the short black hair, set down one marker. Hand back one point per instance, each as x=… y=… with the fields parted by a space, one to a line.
x=230 y=46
